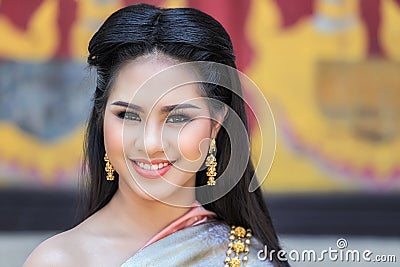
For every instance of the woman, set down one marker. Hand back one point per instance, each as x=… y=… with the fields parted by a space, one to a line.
x=168 y=173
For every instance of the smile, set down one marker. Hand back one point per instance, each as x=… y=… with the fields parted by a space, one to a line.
x=152 y=166
x=153 y=169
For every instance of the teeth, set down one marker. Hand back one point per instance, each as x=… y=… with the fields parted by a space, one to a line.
x=151 y=166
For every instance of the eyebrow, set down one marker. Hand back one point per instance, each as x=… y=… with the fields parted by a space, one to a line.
x=165 y=109
x=128 y=105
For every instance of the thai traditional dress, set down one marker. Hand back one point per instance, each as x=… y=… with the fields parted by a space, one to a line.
x=199 y=239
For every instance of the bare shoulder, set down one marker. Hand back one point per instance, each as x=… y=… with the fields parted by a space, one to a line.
x=59 y=250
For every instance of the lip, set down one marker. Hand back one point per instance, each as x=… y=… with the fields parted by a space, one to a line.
x=151 y=174
x=154 y=161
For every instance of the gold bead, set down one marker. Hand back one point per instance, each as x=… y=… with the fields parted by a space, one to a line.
x=248 y=241
x=227 y=259
x=245 y=258
x=211 y=181
x=238 y=247
x=235 y=262
x=240 y=231
x=230 y=244
x=210 y=160
x=232 y=237
x=229 y=252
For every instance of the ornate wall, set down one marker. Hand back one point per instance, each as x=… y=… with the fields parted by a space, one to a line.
x=329 y=69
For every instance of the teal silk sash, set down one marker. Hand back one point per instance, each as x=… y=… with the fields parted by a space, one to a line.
x=201 y=245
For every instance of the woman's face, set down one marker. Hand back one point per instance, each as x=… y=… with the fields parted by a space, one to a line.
x=156 y=137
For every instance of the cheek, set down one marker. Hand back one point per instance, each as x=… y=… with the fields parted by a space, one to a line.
x=193 y=140
x=112 y=136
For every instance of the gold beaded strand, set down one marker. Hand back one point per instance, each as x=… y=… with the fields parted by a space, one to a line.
x=238 y=246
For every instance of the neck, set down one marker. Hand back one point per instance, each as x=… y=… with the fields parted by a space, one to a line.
x=129 y=211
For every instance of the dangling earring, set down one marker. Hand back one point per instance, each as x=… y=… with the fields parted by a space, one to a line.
x=211 y=163
x=109 y=169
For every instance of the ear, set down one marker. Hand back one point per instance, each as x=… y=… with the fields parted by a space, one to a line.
x=218 y=121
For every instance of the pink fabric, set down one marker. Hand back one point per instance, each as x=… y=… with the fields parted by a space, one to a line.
x=196 y=215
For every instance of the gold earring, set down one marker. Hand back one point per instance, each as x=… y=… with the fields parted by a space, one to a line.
x=211 y=163
x=109 y=169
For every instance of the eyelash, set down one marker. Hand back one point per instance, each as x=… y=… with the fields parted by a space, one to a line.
x=173 y=117
x=129 y=116
x=178 y=118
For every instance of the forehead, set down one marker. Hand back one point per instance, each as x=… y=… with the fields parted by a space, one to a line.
x=151 y=81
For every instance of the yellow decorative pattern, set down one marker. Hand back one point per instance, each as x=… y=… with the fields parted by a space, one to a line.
x=28 y=152
x=39 y=42
x=287 y=68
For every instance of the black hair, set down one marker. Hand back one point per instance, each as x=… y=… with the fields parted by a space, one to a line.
x=187 y=35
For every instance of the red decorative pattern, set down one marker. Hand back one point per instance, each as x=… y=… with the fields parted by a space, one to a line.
x=67 y=14
x=19 y=14
x=294 y=10
x=233 y=16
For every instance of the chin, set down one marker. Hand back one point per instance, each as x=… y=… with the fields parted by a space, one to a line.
x=165 y=189
x=172 y=196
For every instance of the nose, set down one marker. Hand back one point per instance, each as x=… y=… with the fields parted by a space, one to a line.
x=151 y=140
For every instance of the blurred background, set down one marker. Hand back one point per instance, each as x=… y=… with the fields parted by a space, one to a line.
x=330 y=70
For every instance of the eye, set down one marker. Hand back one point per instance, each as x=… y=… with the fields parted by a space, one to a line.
x=178 y=118
x=129 y=116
